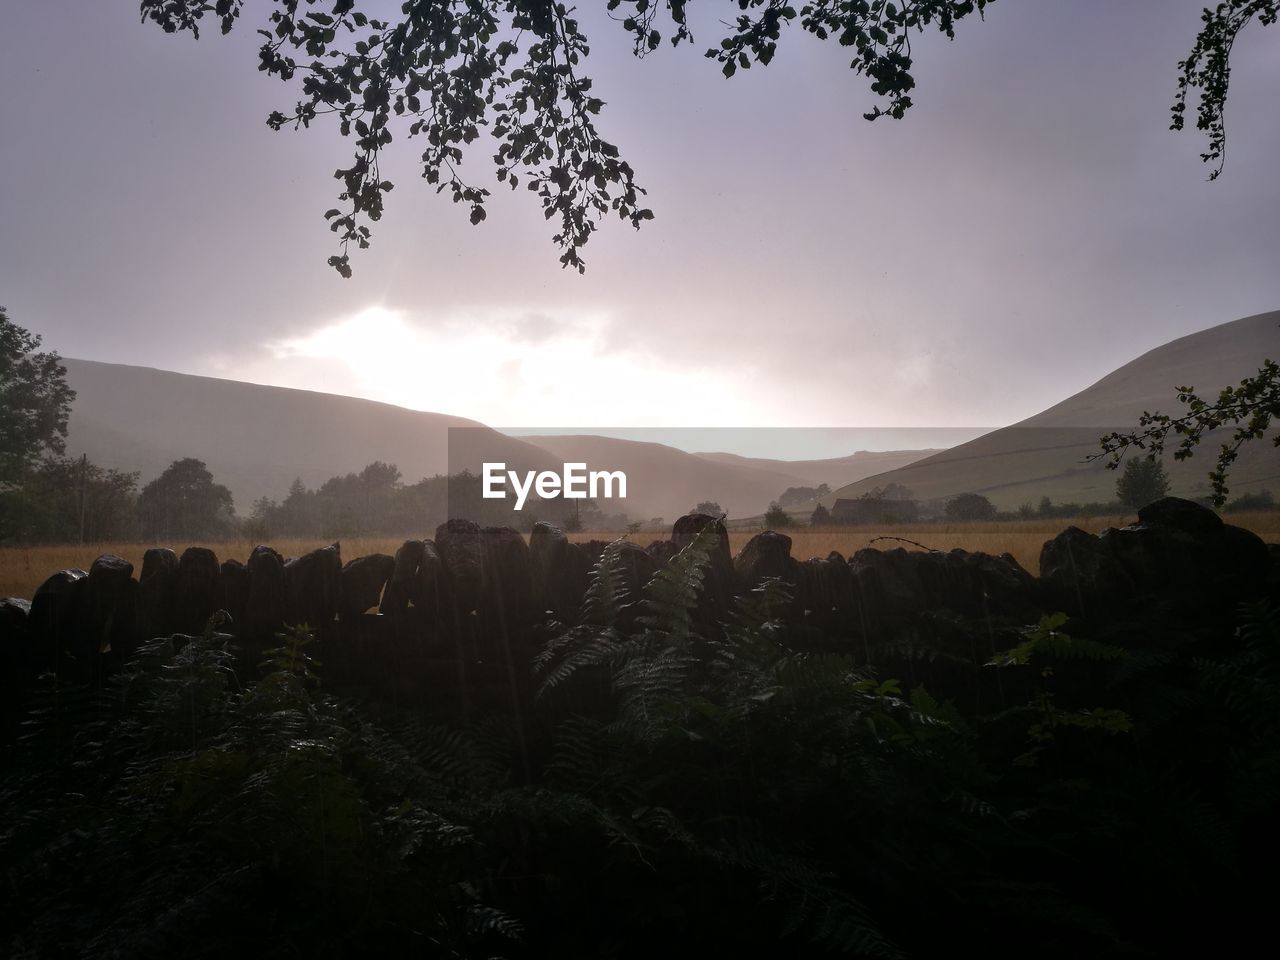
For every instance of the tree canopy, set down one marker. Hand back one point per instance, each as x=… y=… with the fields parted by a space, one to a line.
x=1142 y=482
x=185 y=502
x=444 y=71
x=970 y=506
x=35 y=401
x=1251 y=408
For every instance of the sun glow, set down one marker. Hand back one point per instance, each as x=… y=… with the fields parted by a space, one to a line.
x=508 y=368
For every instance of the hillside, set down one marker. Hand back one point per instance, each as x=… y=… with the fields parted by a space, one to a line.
x=257 y=439
x=1044 y=454
x=665 y=481
x=834 y=472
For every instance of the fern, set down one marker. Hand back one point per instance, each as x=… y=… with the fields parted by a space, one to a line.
x=1047 y=641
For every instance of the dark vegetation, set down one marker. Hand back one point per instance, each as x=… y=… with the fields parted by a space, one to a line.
x=663 y=769
x=62 y=500
x=451 y=71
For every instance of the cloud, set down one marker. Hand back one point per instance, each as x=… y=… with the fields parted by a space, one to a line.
x=518 y=370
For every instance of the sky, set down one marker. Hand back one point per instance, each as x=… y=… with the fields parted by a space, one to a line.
x=1031 y=225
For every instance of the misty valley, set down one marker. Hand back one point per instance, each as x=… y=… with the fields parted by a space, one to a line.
x=493 y=479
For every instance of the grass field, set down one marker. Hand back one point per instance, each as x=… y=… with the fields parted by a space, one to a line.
x=22 y=569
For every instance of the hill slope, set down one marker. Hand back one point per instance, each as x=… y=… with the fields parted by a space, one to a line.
x=664 y=481
x=257 y=439
x=834 y=472
x=1044 y=454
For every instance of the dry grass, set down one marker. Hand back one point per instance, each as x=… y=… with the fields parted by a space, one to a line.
x=22 y=569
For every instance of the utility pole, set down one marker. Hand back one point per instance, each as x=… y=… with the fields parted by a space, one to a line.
x=84 y=483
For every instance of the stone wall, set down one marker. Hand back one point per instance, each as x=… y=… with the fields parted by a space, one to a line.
x=457 y=618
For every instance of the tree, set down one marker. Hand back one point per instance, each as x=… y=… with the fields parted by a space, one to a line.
x=64 y=500
x=821 y=516
x=1208 y=69
x=1142 y=482
x=970 y=506
x=793 y=496
x=1250 y=408
x=775 y=518
x=185 y=503
x=443 y=70
x=890 y=491
x=710 y=508
x=1261 y=500
x=35 y=401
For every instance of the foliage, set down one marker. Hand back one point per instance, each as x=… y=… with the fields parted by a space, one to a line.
x=794 y=496
x=820 y=517
x=890 y=491
x=377 y=502
x=148 y=816
x=184 y=502
x=970 y=506
x=63 y=501
x=1250 y=408
x=1047 y=509
x=1143 y=481
x=35 y=402
x=446 y=72
x=775 y=518
x=710 y=508
x=1261 y=500
x=1208 y=69
x=680 y=778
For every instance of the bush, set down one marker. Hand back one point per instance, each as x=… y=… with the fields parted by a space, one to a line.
x=775 y=518
x=1262 y=500
x=970 y=506
x=1143 y=481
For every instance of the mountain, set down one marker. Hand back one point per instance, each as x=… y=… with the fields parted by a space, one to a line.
x=257 y=439
x=1044 y=455
x=664 y=481
x=834 y=472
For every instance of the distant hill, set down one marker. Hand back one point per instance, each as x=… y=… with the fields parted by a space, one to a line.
x=835 y=472
x=667 y=482
x=257 y=439
x=1043 y=455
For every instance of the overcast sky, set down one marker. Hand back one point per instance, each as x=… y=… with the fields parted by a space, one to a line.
x=1029 y=226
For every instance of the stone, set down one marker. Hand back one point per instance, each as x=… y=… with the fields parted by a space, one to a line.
x=1081 y=576
x=404 y=585
x=461 y=549
x=313 y=584
x=158 y=561
x=156 y=593
x=198 y=589
x=718 y=585
x=235 y=591
x=266 y=604
x=111 y=606
x=767 y=554
x=362 y=581
x=56 y=618
x=561 y=573
x=508 y=576
x=16 y=671
x=1198 y=522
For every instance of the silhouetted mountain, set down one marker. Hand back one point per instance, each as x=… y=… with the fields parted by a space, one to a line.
x=1044 y=454
x=257 y=439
